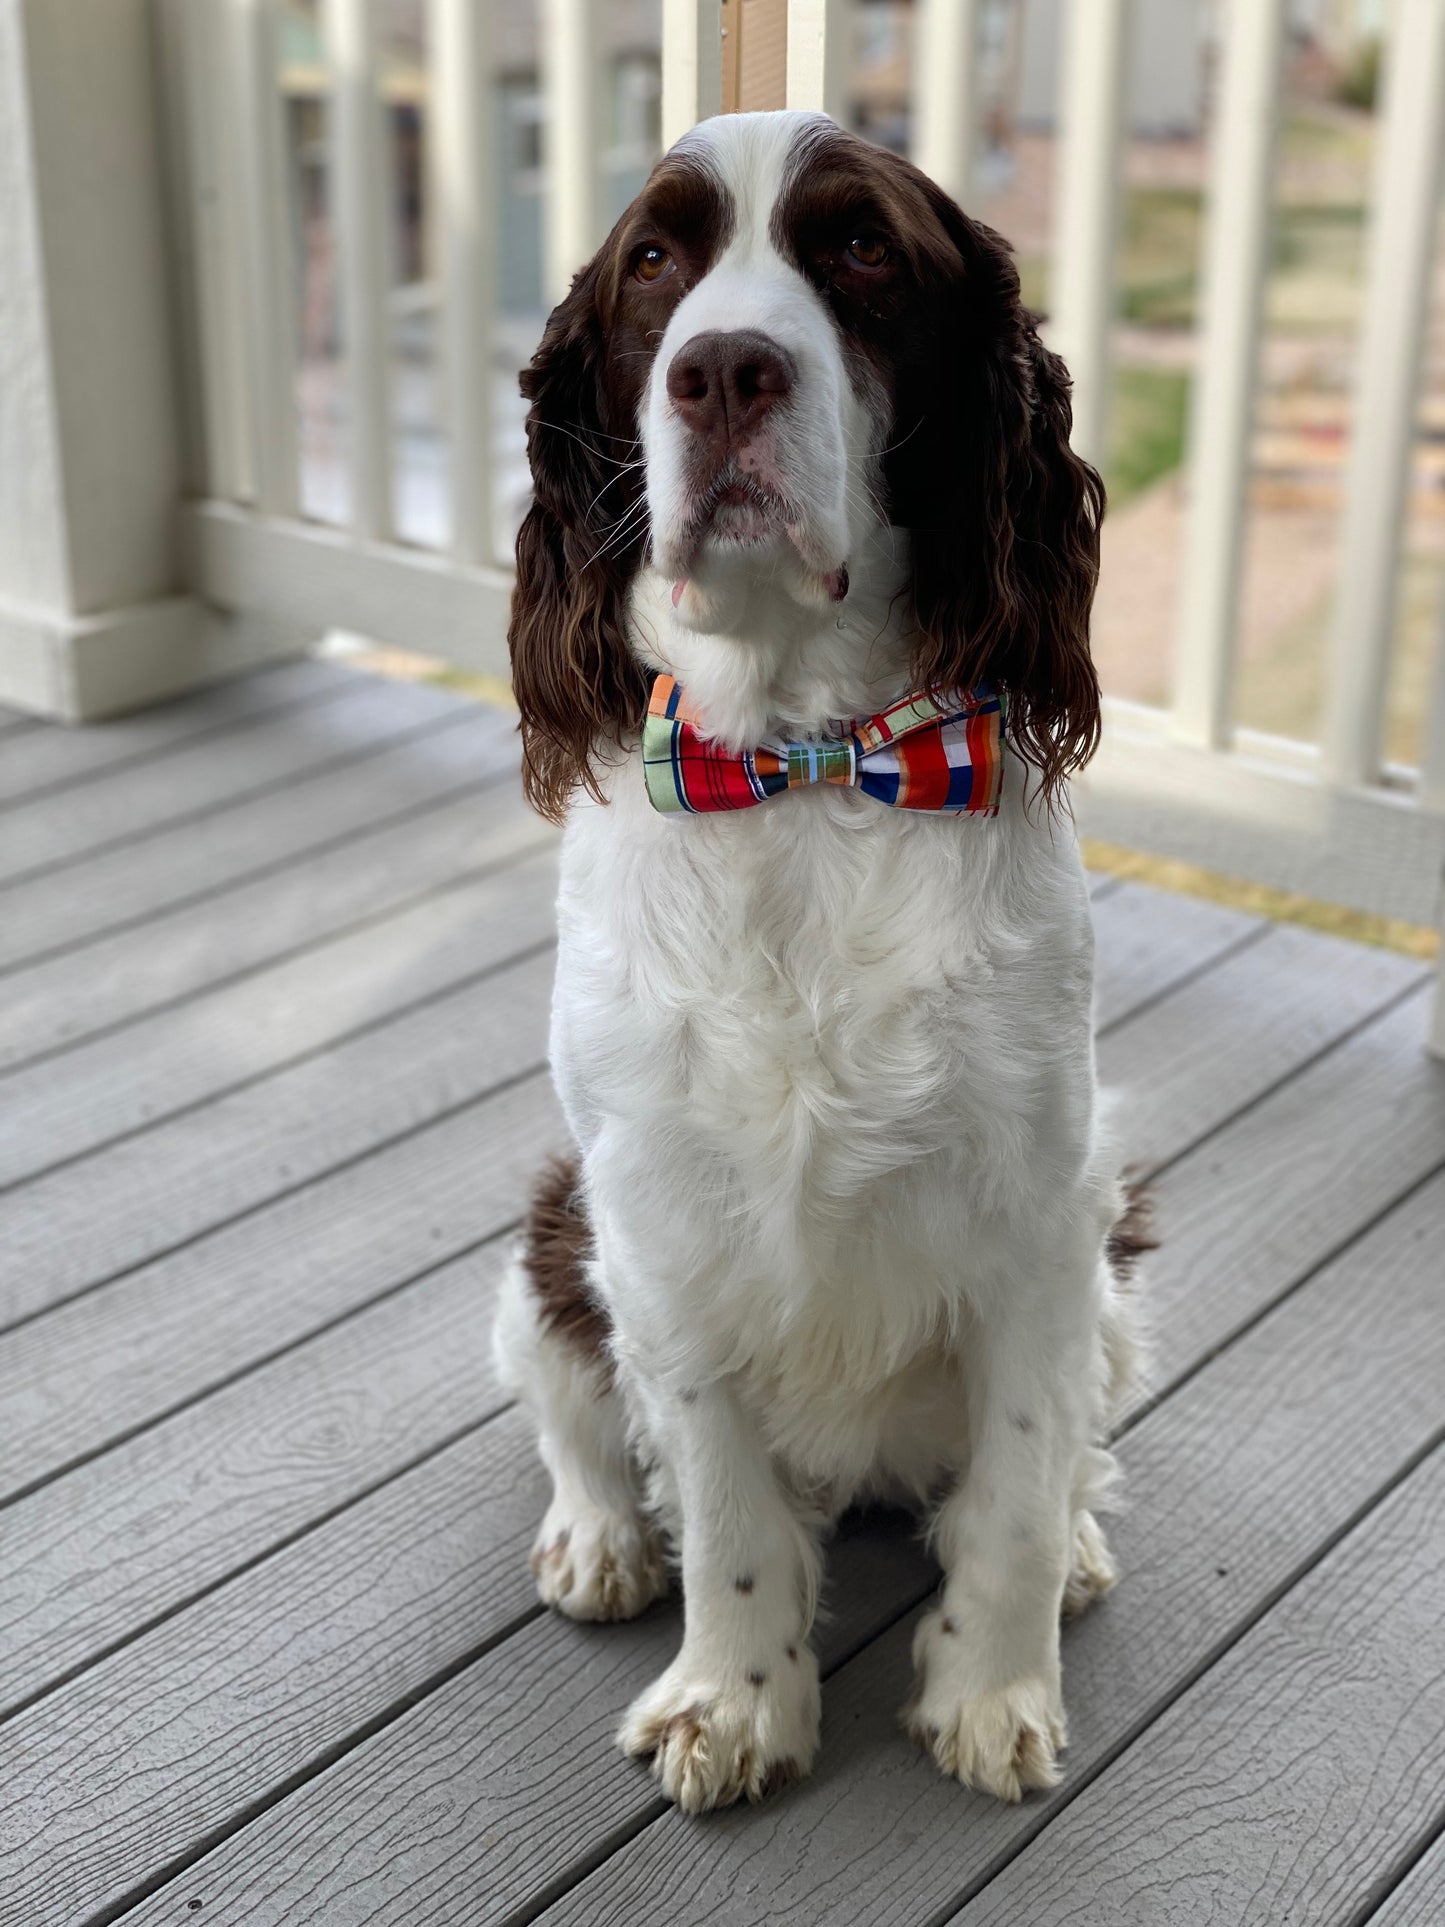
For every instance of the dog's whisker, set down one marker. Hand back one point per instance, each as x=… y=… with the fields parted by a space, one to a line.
x=596 y=453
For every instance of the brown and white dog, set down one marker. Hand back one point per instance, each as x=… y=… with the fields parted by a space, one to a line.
x=840 y=1222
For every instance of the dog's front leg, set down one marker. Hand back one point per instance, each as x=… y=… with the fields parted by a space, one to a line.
x=737 y=1711
x=987 y=1703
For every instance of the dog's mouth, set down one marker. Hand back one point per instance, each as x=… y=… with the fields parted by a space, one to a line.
x=735 y=514
x=737 y=511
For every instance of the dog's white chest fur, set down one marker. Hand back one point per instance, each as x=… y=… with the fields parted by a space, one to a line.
x=820 y=1018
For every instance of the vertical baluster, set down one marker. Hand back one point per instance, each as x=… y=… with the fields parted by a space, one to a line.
x=267 y=228
x=213 y=238
x=1432 y=763
x=1432 y=797
x=691 y=64
x=1402 y=245
x=1222 y=409
x=462 y=95
x=946 y=93
x=572 y=223
x=360 y=201
x=183 y=265
x=815 y=56
x=1091 y=118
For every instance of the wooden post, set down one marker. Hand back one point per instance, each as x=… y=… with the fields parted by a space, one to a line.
x=1222 y=409
x=1092 y=115
x=462 y=89
x=1402 y=256
x=946 y=75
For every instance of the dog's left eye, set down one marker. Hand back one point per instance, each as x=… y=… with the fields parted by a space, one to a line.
x=868 y=252
x=652 y=263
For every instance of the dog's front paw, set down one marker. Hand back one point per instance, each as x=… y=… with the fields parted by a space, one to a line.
x=1093 y=1572
x=592 y=1564
x=713 y=1741
x=1002 y=1740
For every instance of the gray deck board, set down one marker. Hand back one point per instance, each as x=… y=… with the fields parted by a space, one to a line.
x=91 y=1560
x=1291 y=1182
x=60 y=829
x=1210 y=1536
x=418 y=1197
x=48 y=759
x=68 y=1388
x=135 y=1761
x=1324 y=1726
x=190 y=861
x=1419 y=1899
x=1141 y=953
x=130 y=1079
x=272 y=1018
x=54 y=1004
x=1177 y=1070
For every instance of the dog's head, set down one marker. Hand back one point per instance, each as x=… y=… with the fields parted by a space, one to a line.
x=790 y=338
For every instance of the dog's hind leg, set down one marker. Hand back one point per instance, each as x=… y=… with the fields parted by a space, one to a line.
x=596 y=1555
x=1093 y=1571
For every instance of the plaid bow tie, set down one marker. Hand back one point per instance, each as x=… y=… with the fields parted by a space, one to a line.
x=919 y=754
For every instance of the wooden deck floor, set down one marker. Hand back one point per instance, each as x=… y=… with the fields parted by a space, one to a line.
x=272 y=1032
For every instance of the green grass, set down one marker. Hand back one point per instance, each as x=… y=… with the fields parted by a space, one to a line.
x=1159 y=256
x=1146 y=430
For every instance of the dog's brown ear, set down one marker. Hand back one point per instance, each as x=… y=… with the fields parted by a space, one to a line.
x=1004 y=516
x=576 y=683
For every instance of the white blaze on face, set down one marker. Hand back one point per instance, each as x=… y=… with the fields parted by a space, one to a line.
x=810 y=447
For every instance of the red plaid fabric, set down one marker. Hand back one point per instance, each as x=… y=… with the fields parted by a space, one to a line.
x=921 y=753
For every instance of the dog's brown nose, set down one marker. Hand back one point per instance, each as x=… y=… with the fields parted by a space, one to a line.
x=723 y=382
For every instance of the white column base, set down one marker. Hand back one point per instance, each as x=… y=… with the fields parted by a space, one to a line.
x=79 y=668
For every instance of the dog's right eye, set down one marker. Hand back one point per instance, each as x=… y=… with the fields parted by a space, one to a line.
x=652 y=263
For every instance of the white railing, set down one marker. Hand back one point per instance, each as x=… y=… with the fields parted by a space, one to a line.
x=1185 y=780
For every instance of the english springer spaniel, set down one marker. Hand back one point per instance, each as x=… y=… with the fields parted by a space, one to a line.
x=809 y=552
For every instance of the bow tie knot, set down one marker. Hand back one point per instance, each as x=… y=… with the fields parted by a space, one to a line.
x=921 y=753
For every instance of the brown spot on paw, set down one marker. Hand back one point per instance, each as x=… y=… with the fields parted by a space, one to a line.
x=685 y=1726
x=757 y=1679
x=550 y=1554
x=947 y=1625
x=744 y=1582
x=782 y=1773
